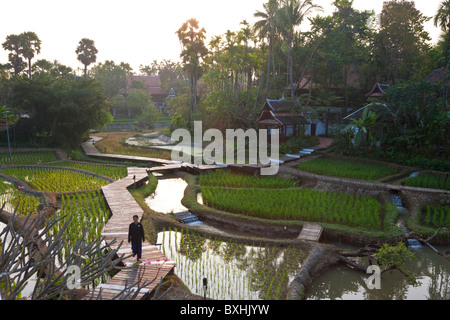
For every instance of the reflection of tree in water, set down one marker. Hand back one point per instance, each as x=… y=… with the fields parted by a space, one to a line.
x=342 y=282
x=269 y=269
x=439 y=274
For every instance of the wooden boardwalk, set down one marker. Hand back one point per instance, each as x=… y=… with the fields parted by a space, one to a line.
x=154 y=266
x=195 y=169
x=311 y=232
x=90 y=150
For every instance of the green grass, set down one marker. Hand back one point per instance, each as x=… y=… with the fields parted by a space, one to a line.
x=24 y=158
x=346 y=169
x=55 y=180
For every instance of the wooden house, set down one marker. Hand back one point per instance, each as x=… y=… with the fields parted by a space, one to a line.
x=282 y=115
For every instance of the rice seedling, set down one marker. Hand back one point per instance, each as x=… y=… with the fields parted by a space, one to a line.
x=231 y=180
x=24 y=158
x=87 y=213
x=113 y=172
x=297 y=204
x=55 y=180
x=435 y=216
x=16 y=199
x=346 y=169
x=429 y=181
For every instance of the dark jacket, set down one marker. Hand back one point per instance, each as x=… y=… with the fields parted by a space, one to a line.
x=136 y=232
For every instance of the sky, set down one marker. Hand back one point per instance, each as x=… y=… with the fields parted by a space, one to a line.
x=140 y=31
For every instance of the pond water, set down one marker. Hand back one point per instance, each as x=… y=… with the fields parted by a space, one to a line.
x=168 y=195
x=431 y=270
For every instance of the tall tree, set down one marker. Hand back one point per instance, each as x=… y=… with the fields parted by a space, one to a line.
x=401 y=43
x=13 y=44
x=442 y=17
x=86 y=53
x=112 y=76
x=31 y=45
x=266 y=27
x=193 y=53
x=291 y=14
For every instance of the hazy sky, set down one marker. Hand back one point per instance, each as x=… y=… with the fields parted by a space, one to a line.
x=138 y=31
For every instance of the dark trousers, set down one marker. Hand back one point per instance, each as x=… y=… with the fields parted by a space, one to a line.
x=137 y=248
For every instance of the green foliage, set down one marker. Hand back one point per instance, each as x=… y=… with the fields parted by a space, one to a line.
x=389 y=256
x=346 y=169
x=61 y=110
x=395 y=257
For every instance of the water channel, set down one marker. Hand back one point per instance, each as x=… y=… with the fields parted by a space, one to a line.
x=432 y=270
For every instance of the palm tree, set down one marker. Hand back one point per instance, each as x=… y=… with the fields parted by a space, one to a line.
x=291 y=15
x=86 y=53
x=442 y=17
x=13 y=43
x=193 y=53
x=267 y=28
x=31 y=44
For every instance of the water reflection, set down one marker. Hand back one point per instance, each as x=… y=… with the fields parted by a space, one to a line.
x=233 y=270
x=167 y=196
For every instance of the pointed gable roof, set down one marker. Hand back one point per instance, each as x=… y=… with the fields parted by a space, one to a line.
x=378 y=91
x=280 y=112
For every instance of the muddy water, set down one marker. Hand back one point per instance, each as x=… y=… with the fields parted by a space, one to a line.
x=431 y=270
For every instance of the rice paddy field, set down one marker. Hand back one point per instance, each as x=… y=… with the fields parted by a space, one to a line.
x=16 y=200
x=346 y=169
x=434 y=216
x=113 y=172
x=55 y=180
x=291 y=203
x=429 y=181
x=24 y=158
x=234 y=270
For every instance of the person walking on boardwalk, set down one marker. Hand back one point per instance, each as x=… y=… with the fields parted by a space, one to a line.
x=136 y=237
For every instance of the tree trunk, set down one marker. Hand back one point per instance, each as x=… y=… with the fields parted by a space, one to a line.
x=318 y=260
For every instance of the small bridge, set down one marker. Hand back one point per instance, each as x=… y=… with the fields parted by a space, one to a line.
x=310 y=232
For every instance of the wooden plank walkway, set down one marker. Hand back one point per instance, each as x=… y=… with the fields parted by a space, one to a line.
x=154 y=264
x=196 y=169
x=90 y=150
x=311 y=232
